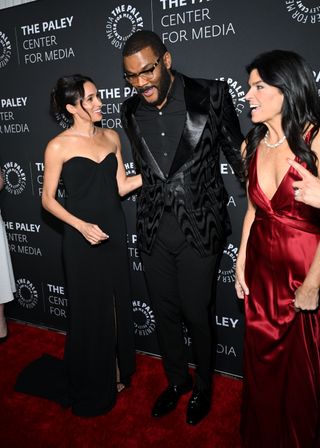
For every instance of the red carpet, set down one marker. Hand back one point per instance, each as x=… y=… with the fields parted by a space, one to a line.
x=27 y=421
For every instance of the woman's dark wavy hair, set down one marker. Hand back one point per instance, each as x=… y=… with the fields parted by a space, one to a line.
x=291 y=74
x=68 y=90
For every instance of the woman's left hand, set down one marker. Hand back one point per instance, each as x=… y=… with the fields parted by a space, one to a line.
x=306 y=297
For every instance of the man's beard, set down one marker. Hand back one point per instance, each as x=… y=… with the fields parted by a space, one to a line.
x=163 y=88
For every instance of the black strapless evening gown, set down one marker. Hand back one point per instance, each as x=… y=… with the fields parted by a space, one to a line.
x=100 y=333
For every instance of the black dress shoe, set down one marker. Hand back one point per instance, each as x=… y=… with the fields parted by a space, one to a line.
x=168 y=399
x=198 y=407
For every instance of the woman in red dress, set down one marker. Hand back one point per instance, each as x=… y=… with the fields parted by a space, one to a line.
x=278 y=267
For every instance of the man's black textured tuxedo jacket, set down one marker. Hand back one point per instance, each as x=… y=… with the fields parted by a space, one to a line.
x=194 y=188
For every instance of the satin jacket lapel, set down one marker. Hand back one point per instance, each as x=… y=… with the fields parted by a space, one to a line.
x=197 y=105
x=140 y=142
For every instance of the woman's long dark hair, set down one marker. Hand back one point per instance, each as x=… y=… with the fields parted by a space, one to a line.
x=68 y=90
x=291 y=74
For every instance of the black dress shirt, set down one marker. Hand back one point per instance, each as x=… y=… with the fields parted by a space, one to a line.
x=162 y=128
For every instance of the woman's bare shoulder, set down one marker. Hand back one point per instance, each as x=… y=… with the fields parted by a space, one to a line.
x=112 y=137
x=57 y=145
x=110 y=133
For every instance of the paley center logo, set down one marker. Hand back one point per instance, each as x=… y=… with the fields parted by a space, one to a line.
x=144 y=320
x=227 y=271
x=14 y=178
x=306 y=11
x=62 y=120
x=123 y=21
x=237 y=93
x=187 y=338
x=27 y=294
x=316 y=74
x=5 y=50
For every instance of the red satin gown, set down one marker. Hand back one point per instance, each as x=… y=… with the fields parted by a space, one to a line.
x=281 y=396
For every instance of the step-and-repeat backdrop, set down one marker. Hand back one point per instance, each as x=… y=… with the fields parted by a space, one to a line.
x=44 y=40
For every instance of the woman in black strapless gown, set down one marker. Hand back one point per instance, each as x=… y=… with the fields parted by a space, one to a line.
x=99 y=353
x=98 y=286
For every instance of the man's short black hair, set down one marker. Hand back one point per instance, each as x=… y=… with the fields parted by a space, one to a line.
x=143 y=39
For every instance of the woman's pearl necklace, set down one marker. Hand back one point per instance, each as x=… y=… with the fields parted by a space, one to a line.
x=273 y=145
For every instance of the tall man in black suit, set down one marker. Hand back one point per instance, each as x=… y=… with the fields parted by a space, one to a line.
x=177 y=127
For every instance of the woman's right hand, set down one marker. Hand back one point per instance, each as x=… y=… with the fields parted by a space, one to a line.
x=92 y=232
x=240 y=284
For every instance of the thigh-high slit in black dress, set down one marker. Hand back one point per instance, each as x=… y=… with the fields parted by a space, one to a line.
x=100 y=333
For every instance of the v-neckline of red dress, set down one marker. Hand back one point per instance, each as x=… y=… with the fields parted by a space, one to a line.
x=280 y=184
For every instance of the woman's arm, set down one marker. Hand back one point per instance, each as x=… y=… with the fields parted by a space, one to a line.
x=53 y=162
x=240 y=284
x=126 y=184
x=307 y=295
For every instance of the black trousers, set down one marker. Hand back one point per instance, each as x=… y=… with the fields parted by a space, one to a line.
x=181 y=287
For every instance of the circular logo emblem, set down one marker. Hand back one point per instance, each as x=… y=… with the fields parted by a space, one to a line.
x=187 y=338
x=62 y=121
x=26 y=294
x=14 y=178
x=144 y=321
x=317 y=79
x=227 y=271
x=123 y=21
x=237 y=94
x=5 y=50
x=306 y=11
